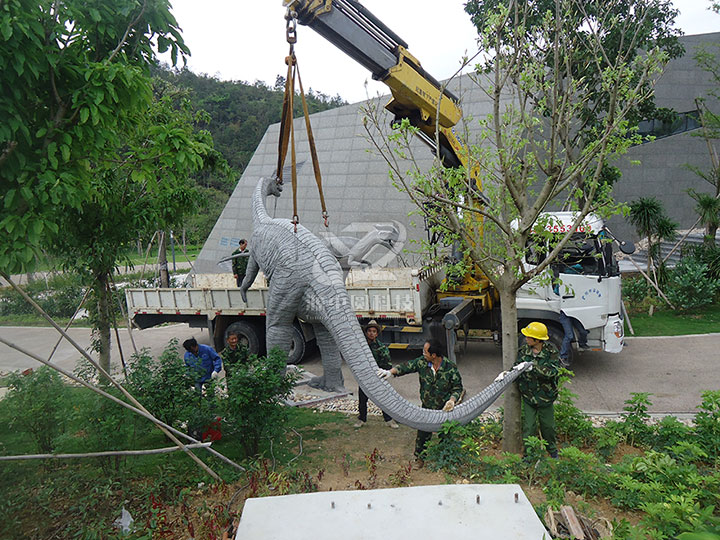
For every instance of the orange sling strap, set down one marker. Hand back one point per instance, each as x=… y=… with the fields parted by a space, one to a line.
x=287 y=129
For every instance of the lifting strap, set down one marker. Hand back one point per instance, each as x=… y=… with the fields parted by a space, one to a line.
x=287 y=129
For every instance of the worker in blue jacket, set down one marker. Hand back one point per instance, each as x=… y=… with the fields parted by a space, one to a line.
x=202 y=361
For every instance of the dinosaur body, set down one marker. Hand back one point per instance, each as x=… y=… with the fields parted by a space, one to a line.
x=306 y=280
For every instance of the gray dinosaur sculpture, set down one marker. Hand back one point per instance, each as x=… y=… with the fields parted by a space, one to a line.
x=306 y=281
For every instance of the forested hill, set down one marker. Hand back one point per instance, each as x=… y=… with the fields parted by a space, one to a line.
x=240 y=112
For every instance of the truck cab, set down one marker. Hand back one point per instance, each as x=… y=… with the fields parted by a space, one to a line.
x=583 y=282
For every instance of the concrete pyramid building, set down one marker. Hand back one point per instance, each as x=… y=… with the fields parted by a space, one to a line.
x=359 y=192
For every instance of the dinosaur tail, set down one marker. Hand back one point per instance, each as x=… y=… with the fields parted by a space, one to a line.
x=342 y=323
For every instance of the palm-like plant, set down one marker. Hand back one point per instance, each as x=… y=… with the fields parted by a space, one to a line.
x=648 y=216
x=708 y=208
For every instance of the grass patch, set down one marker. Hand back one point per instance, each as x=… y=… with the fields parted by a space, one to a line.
x=705 y=320
x=38 y=321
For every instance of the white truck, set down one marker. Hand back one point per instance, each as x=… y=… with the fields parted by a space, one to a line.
x=406 y=301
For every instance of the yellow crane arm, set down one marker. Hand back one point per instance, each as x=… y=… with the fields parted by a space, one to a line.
x=416 y=95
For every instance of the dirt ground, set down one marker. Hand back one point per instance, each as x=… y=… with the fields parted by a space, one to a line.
x=339 y=457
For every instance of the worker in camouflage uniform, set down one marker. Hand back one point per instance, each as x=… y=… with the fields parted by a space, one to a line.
x=539 y=385
x=239 y=264
x=440 y=385
x=236 y=353
x=381 y=353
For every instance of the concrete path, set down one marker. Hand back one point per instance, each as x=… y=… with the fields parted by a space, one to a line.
x=674 y=369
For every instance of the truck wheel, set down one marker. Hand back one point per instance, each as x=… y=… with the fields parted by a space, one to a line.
x=297 y=347
x=248 y=334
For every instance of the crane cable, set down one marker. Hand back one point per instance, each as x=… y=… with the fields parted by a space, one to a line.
x=287 y=129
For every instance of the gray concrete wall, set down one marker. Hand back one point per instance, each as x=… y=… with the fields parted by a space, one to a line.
x=358 y=191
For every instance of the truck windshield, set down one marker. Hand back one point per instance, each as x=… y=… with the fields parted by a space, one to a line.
x=583 y=254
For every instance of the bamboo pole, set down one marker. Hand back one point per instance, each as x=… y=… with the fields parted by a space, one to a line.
x=117 y=400
x=117 y=385
x=57 y=343
x=125 y=315
x=651 y=282
x=115 y=327
x=147 y=255
x=153 y=451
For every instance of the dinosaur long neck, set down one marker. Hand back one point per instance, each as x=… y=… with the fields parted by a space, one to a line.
x=260 y=214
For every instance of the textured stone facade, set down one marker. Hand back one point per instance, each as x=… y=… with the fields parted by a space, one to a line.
x=358 y=191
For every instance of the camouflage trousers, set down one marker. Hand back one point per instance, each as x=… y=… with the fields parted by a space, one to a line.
x=421 y=441
x=534 y=417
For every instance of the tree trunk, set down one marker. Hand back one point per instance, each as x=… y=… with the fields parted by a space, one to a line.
x=710 y=235
x=103 y=321
x=512 y=422
x=162 y=261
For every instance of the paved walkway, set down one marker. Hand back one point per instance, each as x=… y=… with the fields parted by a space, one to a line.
x=674 y=369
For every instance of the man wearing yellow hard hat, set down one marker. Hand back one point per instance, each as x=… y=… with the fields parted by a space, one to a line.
x=539 y=385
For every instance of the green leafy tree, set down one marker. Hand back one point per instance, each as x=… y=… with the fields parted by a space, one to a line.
x=239 y=114
x=547 y=140
x=147 y=187
x=708 y=205
x=653 y=28
x=73 y=78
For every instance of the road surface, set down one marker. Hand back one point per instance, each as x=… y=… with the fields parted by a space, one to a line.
x=674 y=369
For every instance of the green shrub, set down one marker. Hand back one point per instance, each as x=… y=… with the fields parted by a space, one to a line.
x=254 y=406
x=102 y=425
x=707 y=254
x=707 y=424
x=634 y=425
x=668 y=432
x=691 y=287
x=165 y=389
x=38 y=404
x=687 y=452
x=453 y=448
x=571 y=423
x=607 y=439
x=677 y=514
x=635 y=289
x=502 y=469
x=59 y=297
x=580 y=472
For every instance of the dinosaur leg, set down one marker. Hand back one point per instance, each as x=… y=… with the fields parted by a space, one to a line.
x=332 y=378
x=284 y=297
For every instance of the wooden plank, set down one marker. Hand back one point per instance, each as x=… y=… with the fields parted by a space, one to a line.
x=550 y=522
x=572 y=522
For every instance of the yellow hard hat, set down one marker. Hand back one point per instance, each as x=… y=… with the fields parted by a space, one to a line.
x=536 y=330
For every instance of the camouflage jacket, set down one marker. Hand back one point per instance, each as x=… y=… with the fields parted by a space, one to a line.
x=381 y=353
x=540 y=385
x=233 y=357
x=239 y=264
x=435 y=388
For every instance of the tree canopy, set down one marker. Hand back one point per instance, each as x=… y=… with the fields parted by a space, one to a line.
x=73 y=80
x=565 y=81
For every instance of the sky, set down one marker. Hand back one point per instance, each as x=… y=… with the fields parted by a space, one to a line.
x=231 y=41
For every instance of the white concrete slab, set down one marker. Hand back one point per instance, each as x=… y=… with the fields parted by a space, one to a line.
x=477 y=511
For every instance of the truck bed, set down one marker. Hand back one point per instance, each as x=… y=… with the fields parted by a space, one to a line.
x=382 y=293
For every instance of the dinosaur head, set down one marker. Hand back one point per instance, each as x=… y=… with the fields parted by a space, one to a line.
x=273 y=186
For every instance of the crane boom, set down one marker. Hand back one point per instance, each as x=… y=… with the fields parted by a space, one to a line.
x=416 y=95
